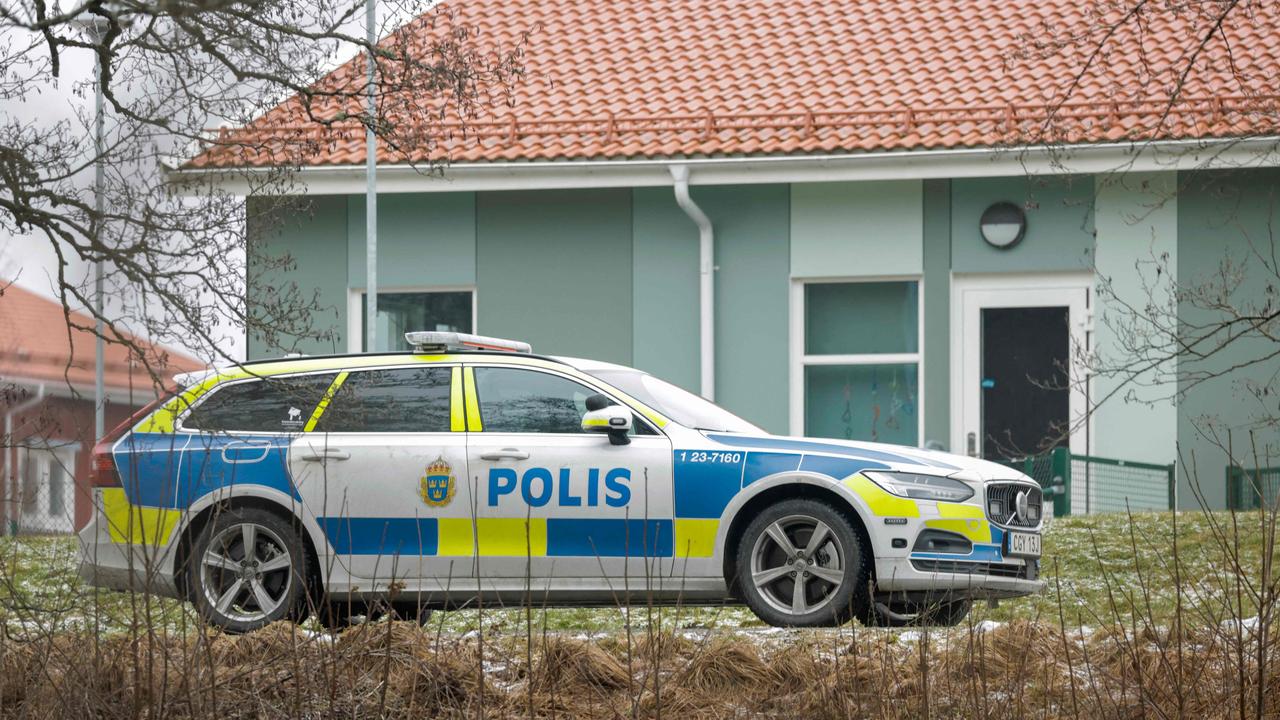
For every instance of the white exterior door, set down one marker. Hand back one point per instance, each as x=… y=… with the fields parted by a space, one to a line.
x=1065 y=293
x=555 y=502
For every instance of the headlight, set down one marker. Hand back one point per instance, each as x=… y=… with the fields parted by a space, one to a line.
x=921 y=487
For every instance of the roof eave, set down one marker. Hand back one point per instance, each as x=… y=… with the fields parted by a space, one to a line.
x=1094 y=158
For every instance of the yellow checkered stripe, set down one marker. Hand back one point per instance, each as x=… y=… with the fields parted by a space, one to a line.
x=966 y=520
x=135 y=524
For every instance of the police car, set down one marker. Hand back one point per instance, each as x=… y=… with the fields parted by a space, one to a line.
x=471 y=469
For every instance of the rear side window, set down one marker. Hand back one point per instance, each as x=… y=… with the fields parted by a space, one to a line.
x=279 y=405
x=400 y=400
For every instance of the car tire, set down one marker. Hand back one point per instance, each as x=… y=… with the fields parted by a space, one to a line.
x=777 y=549
x=241 y=591
x=896 y=614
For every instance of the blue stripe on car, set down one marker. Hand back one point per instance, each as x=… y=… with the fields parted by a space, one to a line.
x=607 y=537
x=381 y=536
x=808 y=446
x=838 y=468
x=763 y=464
x=704 y=489
x=173 y=470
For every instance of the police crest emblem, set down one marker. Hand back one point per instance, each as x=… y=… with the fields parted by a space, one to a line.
x=437 y=486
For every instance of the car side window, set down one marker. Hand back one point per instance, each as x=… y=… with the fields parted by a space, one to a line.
x=515 y=400
x=527 y=401
x=272 y=404
x=412 y=399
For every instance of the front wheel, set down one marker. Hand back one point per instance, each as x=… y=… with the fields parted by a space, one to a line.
x=247 y=570
x=801 y=564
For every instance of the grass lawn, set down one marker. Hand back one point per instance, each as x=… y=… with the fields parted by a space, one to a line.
x=1094 y=577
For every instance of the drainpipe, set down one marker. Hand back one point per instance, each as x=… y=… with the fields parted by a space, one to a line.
x=706 y=281
x=11 y=510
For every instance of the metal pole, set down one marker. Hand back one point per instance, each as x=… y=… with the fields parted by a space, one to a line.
x=99 y=362
x=371 y=189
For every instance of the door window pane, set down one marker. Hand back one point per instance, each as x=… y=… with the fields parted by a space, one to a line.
x=266 y=405
x=1026 y=402
x=877 y=403
x=57 y=487
x=402 y=400
x=528 y=401
x=861 y=318
x=30 y=481
x=399 y=313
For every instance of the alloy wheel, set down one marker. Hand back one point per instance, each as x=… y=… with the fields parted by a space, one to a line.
x=797 y=564
x=246 y=572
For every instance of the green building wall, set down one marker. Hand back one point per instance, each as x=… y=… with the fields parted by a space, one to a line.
x=1226 y=230
x=298 y=253
x=936 y=241
x=752 y=296
x=553 y=267
x=1060 y=224
x=665 y=287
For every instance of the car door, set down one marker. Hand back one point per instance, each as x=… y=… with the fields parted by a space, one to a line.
x=554 y=501
x=379 y=468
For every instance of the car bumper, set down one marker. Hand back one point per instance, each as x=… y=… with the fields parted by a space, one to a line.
x=1008 y=578
x=123 y=566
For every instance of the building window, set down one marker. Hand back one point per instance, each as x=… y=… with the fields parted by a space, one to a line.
x=859 y=363
x=47 y=500
x=402 y=312
x=57 y=489
x=31 y=462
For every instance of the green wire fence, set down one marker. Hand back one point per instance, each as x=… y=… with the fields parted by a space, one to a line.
x=1084 y=484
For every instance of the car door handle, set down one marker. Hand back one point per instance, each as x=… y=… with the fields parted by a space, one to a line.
x=326 y=454
x=505 y=454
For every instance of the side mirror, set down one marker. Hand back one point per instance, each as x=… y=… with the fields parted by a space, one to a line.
x=605 y=418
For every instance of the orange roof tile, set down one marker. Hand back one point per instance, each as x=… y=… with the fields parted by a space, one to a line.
x=36 y=346
x=622 y=79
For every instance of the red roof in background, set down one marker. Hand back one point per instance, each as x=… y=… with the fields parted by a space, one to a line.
x=618 y=79
x=34 y=345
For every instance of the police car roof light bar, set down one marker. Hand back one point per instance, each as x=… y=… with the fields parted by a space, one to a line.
x=432 y=341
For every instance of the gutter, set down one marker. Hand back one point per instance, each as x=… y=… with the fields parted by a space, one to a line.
x=1115 y=157
x=12 y=509
x=706 y=280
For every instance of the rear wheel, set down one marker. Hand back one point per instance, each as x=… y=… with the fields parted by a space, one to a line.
x=247 y=570
x=800 y=564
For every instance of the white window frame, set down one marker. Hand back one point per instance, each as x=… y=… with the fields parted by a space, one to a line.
x=799 y=360
x=355 y=317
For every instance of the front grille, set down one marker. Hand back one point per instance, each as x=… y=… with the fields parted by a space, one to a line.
x=1002 y=502
x=1028 y=571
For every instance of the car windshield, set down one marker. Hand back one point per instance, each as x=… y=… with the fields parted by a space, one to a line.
x=676 y=403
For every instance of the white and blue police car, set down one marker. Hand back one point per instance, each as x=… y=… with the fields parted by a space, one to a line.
x=473 y=470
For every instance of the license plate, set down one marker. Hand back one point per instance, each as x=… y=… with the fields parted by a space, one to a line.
x=1020 y=544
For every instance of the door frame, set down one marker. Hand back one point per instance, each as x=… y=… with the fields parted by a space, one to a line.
x=970 y=294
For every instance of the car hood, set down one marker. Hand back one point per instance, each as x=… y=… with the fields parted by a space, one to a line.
x=893 y=457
